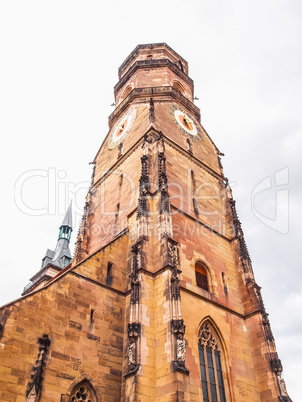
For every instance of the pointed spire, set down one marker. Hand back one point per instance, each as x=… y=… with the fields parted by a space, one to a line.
x=62 y=256
x=67 y=221
x=66 y=227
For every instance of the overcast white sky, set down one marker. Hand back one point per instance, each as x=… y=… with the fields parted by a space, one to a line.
x=59 y=62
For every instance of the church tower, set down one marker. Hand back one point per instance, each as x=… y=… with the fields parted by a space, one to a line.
x=160 y=302
x=54 y=261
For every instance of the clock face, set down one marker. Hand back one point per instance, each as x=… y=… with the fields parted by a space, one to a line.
x=121 y=128
x=185 y=122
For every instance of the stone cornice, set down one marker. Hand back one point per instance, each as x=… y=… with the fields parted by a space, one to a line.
x=147 y=46
x=143 y=64
x=153 y=92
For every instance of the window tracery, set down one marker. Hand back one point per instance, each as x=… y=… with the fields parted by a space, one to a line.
x=210 y=366
x=82 y=392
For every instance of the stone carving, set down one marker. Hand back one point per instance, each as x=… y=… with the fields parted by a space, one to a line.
x=172 y=252
x=75 y=363
x=175 y=291
x=151 y=111
x=244 y=254
x=34 y=387
x=2 y=325
x=277 y=368
x=257 y=291
x=267 y=327
x=132 y=352
x=75 y=324
x=163 y=184
x=93 y=337
x=134 y=330
x=282 y=386
x=82 y=393
x=207 y=337
x=181 y=348
x=66 y=376
x=144 y=186
x=178 y=329
x=219 y=162
x=276 y=364
x=136 y=250
x=151 y=137
x=133 y=334
x=173 y=261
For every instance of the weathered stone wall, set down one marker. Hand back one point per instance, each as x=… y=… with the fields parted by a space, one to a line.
x=84 y=319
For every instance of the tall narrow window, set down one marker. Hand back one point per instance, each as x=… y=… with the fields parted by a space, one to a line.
x=117 y=210
x=91 y=316
x=201 y=276
x=109 y=276
x=189 y=146
x=120 y=148
x=210 y=366
x=121 y=179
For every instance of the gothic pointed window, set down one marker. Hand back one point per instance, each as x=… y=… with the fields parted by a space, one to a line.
x=212 y=382
x=83 y=392
x=201 y=276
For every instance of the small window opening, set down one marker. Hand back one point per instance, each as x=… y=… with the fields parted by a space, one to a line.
x=189 y=146
x=121 y=178
x=195 y=204
x=91 y=316
x=120 y=148
x=201 y=276
x=109 y=274
x=117 y=210
x=126 y=92
x=178 y=87
x=150 y=56
x=224 y=283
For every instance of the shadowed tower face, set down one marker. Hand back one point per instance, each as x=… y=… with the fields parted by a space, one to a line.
x=160 y=302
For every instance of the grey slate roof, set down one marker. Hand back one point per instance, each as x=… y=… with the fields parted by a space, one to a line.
x=67 y=221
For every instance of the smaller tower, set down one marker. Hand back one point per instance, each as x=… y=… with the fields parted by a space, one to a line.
x=54 y=261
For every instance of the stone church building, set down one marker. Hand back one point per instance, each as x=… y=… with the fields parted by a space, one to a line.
x=159 y=302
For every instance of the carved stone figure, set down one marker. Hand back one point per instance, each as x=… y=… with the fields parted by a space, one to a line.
x=172 y=253
x=181 y=348
x=132 y=352
x=34 y=387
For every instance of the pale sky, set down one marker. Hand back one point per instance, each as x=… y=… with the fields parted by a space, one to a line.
x=58 y=66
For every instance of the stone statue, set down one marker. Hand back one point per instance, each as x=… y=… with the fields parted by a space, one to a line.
x=132 y=352
x=181 y=348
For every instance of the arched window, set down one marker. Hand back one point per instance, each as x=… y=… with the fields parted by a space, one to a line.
x=201 y=276
x=177 y=85
x=126 y=92
x=120 y=150
x=189 y=148
x=83 y=392
x=210 y=366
